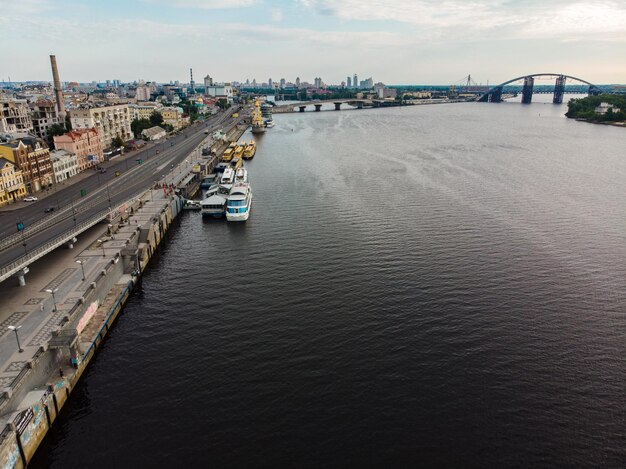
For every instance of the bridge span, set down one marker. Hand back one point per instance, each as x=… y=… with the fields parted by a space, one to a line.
x=317 y=104
x=494 y=94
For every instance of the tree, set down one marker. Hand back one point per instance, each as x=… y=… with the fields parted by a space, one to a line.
x=138 y=125
x=156 y=118
x=117 y=142
x=53 y=131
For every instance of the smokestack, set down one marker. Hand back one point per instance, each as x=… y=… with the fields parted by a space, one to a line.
x=58 y=91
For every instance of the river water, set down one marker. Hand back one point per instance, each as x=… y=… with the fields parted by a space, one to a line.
x=437 y=285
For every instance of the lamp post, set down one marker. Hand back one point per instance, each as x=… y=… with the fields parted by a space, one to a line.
x=81 y=267
x=102 y=246
x=17 y=337
x=54 y=300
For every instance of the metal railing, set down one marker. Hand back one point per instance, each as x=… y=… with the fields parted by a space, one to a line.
x=25 y=260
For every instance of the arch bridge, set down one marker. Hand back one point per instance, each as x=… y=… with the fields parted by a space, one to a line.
x=494 y=94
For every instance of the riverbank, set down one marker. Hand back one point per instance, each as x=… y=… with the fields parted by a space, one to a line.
x=614 y=124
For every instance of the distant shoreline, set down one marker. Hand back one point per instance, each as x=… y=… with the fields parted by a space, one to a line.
x=614 y=124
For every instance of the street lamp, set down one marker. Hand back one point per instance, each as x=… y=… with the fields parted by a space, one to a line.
x=15 y=329
x=81 y=267
x=54 y=300
x=101 y=241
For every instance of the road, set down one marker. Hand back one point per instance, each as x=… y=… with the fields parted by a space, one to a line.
x=104 y=190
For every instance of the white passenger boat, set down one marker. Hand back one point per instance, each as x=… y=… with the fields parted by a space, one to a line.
x=213 y=206
x=241 y=175
x=228 y=177
x=239 y=202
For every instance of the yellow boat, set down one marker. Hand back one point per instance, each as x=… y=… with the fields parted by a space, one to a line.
x=239 y=151
x=250 y=150
x=228 y=154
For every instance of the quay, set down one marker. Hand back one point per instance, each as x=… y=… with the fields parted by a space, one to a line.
x=72 y=299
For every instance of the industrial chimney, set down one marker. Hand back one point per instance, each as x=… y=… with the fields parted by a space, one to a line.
x=58 y=91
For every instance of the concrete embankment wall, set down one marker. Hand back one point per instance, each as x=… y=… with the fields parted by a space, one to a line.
x=49 y=380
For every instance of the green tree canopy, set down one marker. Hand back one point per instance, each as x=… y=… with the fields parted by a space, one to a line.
x=156 y=118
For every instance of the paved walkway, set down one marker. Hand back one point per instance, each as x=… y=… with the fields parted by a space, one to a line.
x=33 y=309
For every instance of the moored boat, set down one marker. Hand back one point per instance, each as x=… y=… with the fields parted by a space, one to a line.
x=250 y=150
x=213 y=206
x=228 y=177
x=241 y=175
x=258 y=126
x=239 y=202
x=228 y=154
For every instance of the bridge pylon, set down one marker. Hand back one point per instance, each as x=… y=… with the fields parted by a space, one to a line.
x=527 y=90
x=559 y=89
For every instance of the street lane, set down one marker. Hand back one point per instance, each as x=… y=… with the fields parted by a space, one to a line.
x=145 y=176
x=65 y=196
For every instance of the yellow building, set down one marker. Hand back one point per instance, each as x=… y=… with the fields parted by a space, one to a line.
x=173 y=116
x=12 y=186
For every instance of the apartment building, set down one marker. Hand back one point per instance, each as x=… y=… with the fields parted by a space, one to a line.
x=84 y=143
x=109 y=121
x=32 y=156
x=12 y=186
x=14 y=116
x=64 y=164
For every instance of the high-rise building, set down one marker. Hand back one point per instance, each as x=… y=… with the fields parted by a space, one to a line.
x=270 y=83
x=142 y=93
x=208 y=81
x=282 y=83
x=349 y=82
x=297 y=82
x=355 y=81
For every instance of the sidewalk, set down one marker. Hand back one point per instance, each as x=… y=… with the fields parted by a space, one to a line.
x=31 y=307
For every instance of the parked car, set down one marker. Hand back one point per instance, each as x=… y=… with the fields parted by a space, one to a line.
x=30 y=198
x=49 y=209
x=102 y=171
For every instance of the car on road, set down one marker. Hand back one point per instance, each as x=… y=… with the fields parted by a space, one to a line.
x=30 y=198
x=102 y=171
x=49 y=209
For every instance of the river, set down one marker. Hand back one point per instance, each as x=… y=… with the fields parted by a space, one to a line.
x=438 y=285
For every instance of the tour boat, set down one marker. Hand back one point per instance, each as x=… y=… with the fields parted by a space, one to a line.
x=228 y=177
x=241 y=175
x=239 y=202
x=213 y=206
x=250 y=150
x=228 y=154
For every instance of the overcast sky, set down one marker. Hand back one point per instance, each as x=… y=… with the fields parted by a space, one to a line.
x=394 y=41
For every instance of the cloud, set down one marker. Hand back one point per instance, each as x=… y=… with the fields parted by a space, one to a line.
x=452 y=20
x=276 y=14
x=204 y=4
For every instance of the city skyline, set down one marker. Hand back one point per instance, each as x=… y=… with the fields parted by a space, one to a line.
x=401 y=42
